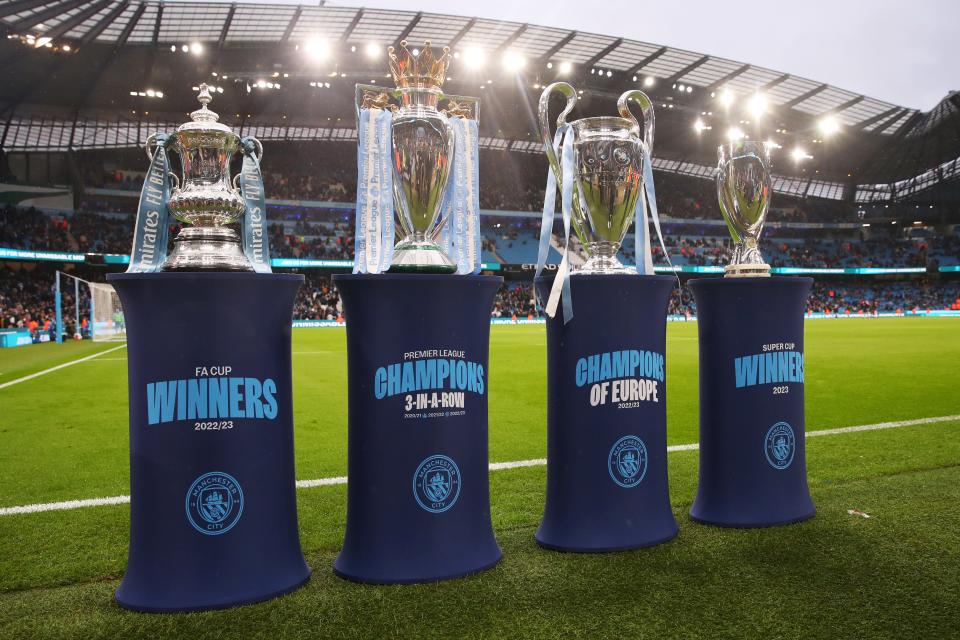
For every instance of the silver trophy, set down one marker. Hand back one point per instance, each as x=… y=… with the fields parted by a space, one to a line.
x=607 y=174
x=206 y=198
x=743 y=188
x=423 y=150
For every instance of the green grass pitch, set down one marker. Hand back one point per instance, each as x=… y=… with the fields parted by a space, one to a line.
x=63 y=436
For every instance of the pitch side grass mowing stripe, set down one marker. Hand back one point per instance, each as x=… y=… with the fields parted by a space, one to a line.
x=494 y=466
x=59 y=366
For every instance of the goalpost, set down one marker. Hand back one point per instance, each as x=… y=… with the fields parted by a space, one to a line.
x=103 y=318
x=108 y=322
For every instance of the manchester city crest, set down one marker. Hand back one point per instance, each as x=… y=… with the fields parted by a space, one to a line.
x=436 y=484
x=779 y=445
x=214 y=503
x=627 y=462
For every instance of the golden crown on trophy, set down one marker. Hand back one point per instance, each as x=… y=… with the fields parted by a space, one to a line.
x=421 y=70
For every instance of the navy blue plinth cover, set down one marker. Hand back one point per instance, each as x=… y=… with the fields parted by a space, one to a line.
x=213 y=513
x=607 y=484
x=753 y=470
x=418 y=497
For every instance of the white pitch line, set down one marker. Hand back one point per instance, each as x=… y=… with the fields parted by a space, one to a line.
x=494 y=466
x=59 y=366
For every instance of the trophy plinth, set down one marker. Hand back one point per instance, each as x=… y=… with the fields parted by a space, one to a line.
x=208 y=200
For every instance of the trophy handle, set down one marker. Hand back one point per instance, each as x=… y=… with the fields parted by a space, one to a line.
x=544 y=113
x=646 y=107
x=150 y=146
x=176 y=180
x=259 y=151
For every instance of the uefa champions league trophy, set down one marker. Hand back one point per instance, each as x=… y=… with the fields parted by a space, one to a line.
x=743 y=188
x=207 y=201
x=608 y=169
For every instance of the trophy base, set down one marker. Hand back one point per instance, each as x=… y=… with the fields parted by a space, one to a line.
x=420 y=256
x=207 y=249
x=603 y=265
x=756 y=270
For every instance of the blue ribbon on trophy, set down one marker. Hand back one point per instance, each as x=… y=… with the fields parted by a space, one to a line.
x=151 y=231
x=563 y=145
x=256 y=243
x=641 y=230
x=462 y=208
x=374 y=233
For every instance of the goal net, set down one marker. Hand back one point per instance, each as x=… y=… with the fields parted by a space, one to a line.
x=108 y=321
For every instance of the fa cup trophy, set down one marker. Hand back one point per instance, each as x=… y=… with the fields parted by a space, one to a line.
x=607 y=173
x=207 y=199
x=743 y=188
x=421 y=160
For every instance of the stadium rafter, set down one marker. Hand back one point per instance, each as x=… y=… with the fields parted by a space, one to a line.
x=94 y=60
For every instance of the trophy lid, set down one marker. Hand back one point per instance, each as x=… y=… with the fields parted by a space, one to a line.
x=422 y=70
x=203 y=119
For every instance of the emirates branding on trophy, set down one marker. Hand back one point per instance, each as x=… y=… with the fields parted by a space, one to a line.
x=417 y=166
x=206 y=199
x=743 y=188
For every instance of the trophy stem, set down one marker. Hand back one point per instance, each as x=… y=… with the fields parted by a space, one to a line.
x=747 y=261
x=207 y=249
x=602 y=260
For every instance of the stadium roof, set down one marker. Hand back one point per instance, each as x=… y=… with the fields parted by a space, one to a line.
x=136 y=22
x=82 y=74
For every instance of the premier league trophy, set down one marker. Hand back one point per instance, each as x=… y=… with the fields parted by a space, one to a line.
x=607 y=486
x=432 y=174
x=211 y=415
x=752 y=455
x=743 y=188
x=208 y=201
x=418 y=503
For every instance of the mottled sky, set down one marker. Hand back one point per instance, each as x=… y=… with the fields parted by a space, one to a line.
x=903 y=52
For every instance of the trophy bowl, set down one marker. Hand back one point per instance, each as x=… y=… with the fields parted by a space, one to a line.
x=422 y=150
x=607 y=174
x=743 y=189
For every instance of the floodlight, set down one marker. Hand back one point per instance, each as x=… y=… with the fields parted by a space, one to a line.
x=734 y=133
x=828 y=125
x=474 y=57
x=317 y=48
x=757 y=106
x=513 y=61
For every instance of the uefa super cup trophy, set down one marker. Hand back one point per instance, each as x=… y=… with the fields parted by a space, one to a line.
x=206 y=198
x=743 y=188
x=607 y=173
